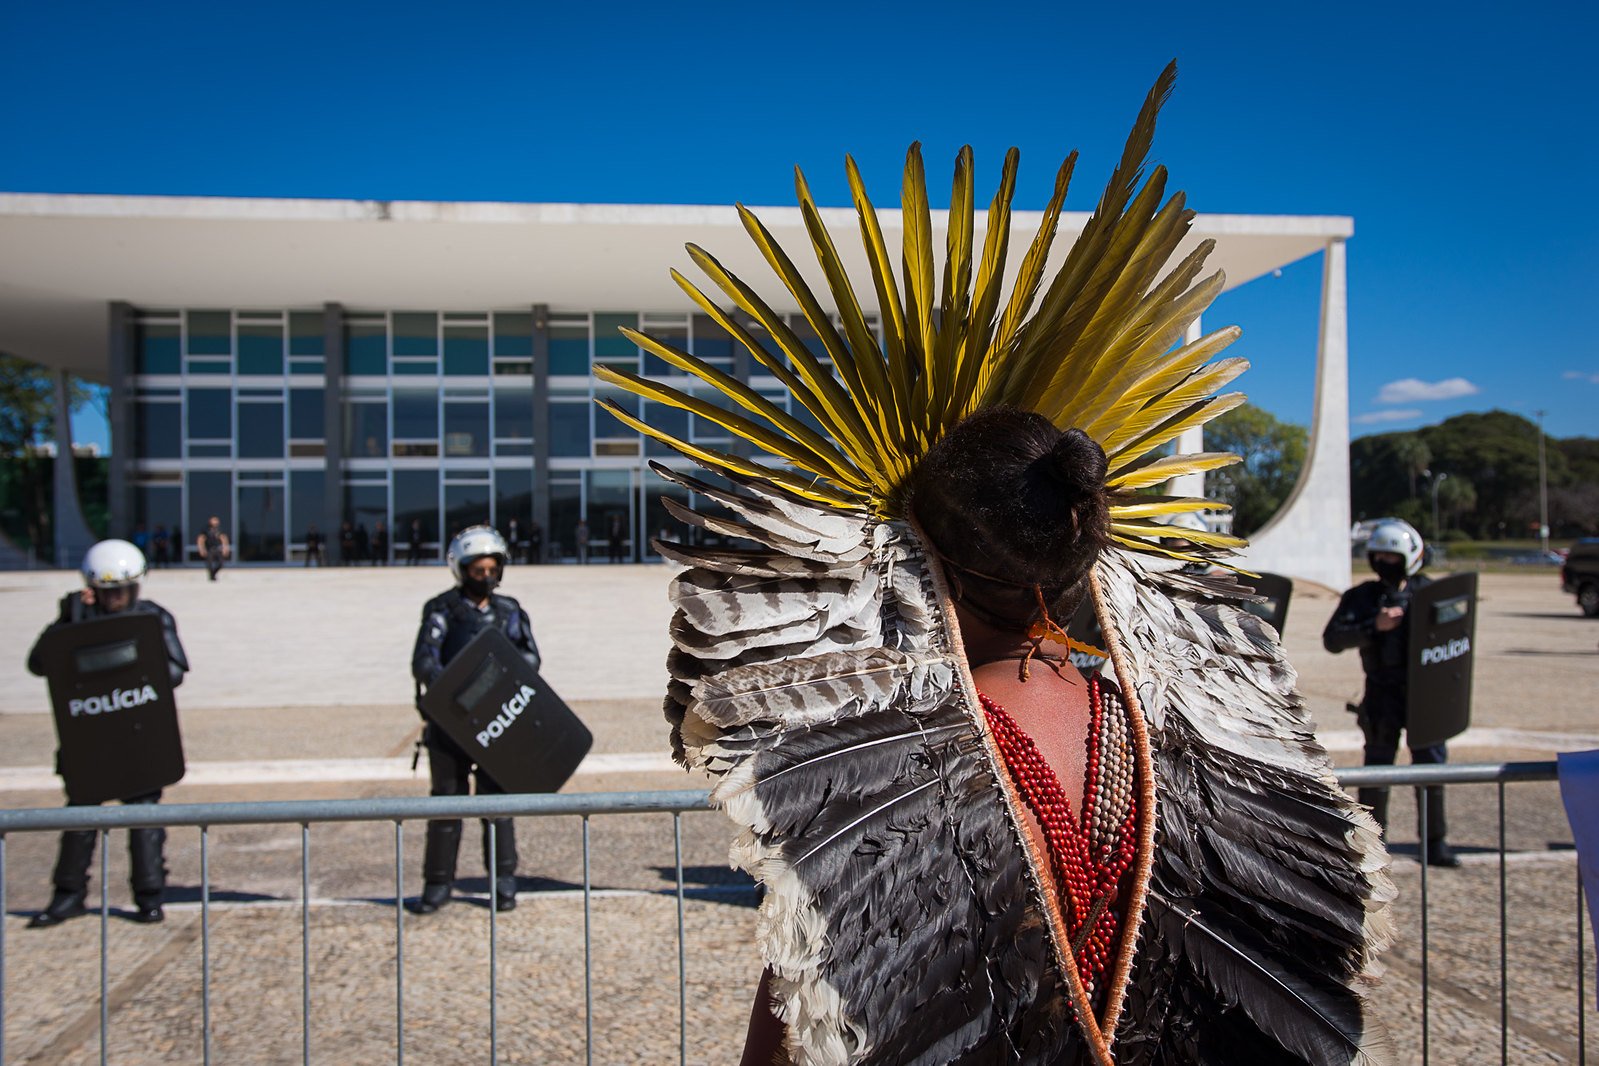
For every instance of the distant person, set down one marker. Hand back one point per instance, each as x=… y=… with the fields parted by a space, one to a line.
x=417 y=537
x=380 y=544
x=162 y=545
x=112 y=570
x=313 y=546
x=141 y=538
x=513 y=539
x=347 y=544
x=363 y=543
x=1374 y=616
x=477 y=558
x=535 y=542
x=581 y=536
x=213 y=547
x=616 y=537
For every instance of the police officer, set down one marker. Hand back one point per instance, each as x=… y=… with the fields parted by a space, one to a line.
x=477 y=558
x=1374 y=617
x=112 y=570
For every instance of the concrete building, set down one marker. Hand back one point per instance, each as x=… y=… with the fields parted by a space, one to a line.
x=284 y=363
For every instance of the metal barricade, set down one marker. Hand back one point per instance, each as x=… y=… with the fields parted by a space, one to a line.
x=585 y=806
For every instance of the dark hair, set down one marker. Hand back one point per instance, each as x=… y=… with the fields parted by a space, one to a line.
x=1010 y=502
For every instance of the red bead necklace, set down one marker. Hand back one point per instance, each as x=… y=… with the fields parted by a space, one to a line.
x=1087 y=855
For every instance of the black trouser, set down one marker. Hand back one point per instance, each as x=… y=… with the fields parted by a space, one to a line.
x=213 y=562
x=452 y=770
x=148 y=871
x=1382 y=731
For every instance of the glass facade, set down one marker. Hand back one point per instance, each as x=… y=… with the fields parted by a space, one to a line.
x=436 y=415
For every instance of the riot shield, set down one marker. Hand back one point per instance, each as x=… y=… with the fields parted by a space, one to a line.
x=1443 y=624
x=490 y=701
x=1274 y=591
x=116 y=720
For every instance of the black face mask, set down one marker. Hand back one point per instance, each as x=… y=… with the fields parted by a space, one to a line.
x=478 y=588
x=1389 y=573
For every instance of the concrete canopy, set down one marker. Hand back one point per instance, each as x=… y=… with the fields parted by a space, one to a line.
x=63 y=258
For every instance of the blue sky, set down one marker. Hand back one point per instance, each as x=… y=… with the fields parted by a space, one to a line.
x=1459 y=137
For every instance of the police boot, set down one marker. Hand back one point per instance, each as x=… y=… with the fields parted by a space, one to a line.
x=63 y=905
x=438 y=866
x=504 y=835
x=149 y=873
x=71 y=878
x=1439 y=853
x=1377 y=800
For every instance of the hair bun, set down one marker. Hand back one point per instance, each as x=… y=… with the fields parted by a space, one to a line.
x=1077 y=463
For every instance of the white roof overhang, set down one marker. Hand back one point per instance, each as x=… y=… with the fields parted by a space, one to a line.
x=63 y=258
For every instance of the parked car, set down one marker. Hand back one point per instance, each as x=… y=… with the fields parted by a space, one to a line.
x=1580 y=575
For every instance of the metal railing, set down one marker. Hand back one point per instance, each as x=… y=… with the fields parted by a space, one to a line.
x=584 y=806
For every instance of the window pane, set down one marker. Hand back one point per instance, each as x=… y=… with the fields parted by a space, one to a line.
x=261 y=431
x=416 y=414
x=305 y=502
x=260 y=349
x=157 y=431
x=210 y=333
x=466 y=429
x=261 y=519
x=711 y=342
x=569 y=430
x=416 y=333
x=159 y=507
x=513 y=336
x=210 y=414
x=305 y=333
x=210 y=493
x=158 y=350
x=513 y=498
x=610 y=346
x=677 y=337
x=465 y=505
x=416 y=499
x=565 y=509
x=513 y=413
x=466 y=350
x=569 y=350
x=610 y=512
x=306 y=413
x=366 y=430
x=365 y=506
x=366 y=348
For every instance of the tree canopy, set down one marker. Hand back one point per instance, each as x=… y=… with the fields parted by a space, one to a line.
x=27 y=404
x=1491 y=488
x=1273 y=453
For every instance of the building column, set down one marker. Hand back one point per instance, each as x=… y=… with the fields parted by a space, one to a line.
x=1309 y=537
x=541 y=419
x=122 y=340
x=1191 y=441
x=72 y=536
x=333 y=403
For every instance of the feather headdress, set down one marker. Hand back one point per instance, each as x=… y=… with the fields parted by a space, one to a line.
x=818 y=675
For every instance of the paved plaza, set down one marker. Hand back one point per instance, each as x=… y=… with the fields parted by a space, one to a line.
x=301 y=689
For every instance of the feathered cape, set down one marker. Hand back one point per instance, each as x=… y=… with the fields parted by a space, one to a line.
x=817 y=677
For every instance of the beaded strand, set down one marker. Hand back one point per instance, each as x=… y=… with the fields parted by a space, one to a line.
x=1089 y=854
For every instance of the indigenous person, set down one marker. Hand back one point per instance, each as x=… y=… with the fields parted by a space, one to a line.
x=162 y=545
x=477 y=558
x=955 y=831
x=380 y=544
x=1374 y=616
x=112 y=570
x=213 y=546
x=313 y=547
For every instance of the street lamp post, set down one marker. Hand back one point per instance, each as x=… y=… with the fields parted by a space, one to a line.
x=1438 y=479
x=1543 y=492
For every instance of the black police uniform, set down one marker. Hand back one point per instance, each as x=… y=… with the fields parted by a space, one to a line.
x=148 y=869
x=449 y=622
x=1382 y=707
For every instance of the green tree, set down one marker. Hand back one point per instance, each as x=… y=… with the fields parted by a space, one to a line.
x=1457 y=496
x=1498 y=452
x=27 y=416
x=1273 y=454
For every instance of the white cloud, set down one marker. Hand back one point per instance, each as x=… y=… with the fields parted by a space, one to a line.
x=1398 y=414
x=1414 y=390
x=1581 y=375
